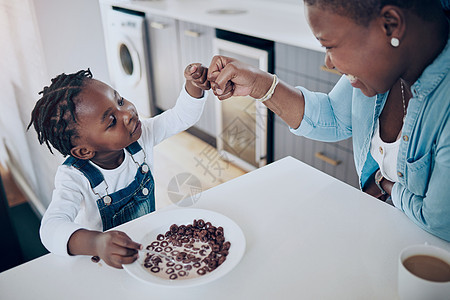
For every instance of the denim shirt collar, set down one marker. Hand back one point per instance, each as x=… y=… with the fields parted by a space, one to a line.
x=432 y=75
x=428 y=81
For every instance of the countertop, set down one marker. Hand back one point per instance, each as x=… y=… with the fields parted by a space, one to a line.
x=279 y=22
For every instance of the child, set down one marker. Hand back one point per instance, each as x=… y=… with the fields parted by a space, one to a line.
x=107 y=180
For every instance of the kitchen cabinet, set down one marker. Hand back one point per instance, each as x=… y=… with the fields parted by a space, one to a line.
x=164 y=60
x=196 y=46
x=302 y=67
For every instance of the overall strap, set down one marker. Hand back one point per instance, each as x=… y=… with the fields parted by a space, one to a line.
x=134 y=148
x=94 y=176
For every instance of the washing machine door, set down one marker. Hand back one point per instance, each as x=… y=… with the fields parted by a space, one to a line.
x=129 y=63
x=126 y=52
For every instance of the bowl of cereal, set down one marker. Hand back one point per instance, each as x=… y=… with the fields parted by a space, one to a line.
x=186 y=247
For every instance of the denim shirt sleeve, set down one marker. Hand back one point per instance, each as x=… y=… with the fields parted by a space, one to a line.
x=327 y=117
x=428 y=205
x=423 y=193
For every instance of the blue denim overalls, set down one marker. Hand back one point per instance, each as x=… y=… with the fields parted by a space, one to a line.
x=131 y=202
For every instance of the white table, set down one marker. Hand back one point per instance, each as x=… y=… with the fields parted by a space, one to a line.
x=308 y=235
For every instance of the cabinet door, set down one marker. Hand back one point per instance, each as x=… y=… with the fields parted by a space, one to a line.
x=164 y=60
x=303 y=67
x=196 y=46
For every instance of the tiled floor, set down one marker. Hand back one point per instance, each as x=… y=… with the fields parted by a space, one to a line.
x=185 y=165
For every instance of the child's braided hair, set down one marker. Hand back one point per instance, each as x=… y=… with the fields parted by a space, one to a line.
x=54 y=116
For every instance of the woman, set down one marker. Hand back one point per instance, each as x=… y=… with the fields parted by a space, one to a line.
x=394 y=101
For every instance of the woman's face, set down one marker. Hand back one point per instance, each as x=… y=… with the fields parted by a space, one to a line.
x=363 y=53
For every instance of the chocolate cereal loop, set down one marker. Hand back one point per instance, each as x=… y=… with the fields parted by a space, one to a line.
x=193 y=249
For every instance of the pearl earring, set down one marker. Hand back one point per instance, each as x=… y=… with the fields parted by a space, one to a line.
x=395 y=42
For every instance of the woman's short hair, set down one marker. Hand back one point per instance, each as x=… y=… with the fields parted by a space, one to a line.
x=364 y=11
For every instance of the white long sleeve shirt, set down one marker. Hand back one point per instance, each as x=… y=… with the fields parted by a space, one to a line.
x=73 y=204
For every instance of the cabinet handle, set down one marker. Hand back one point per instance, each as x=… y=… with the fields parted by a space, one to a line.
x=327 y=159
x=158 y=25
x=192 y=33
x=334 y=71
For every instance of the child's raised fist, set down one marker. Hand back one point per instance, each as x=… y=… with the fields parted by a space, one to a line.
x=196 y=79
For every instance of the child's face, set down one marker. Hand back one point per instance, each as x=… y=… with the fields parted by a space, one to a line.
x=106 y=122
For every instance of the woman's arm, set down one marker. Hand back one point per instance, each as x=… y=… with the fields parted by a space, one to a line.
x=431 y=209
x=324 y=117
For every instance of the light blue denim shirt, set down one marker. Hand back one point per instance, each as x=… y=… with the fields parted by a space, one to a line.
x=423 y=165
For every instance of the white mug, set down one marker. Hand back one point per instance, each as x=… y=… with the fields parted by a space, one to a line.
x=411 y=286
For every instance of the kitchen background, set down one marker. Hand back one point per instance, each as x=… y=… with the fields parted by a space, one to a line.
x=43 y=38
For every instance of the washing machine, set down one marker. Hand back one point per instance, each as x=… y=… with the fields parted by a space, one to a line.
x=127 y=56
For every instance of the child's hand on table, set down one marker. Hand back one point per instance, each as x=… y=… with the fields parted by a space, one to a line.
x=116 y=248
x=196 y=80
x=113 y=247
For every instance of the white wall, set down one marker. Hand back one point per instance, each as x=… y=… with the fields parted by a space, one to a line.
x=299 y=2
x=24 y=74
x=72 y=36
x=72 y=39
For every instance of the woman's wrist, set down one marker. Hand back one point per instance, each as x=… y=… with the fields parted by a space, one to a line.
x=387 y=186
x=271 y=90
x=379 y=180
x=371 y=187
x=262 y=85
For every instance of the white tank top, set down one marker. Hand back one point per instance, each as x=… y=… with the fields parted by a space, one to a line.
x=385 y=154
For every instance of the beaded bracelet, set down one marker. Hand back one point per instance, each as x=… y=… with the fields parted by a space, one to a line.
x=270 y=92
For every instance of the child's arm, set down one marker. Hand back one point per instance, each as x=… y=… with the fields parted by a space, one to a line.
x=114 y=247
x=187 y=110
x=196 y=80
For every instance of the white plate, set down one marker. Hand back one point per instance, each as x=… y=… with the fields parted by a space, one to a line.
x=146 y=230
